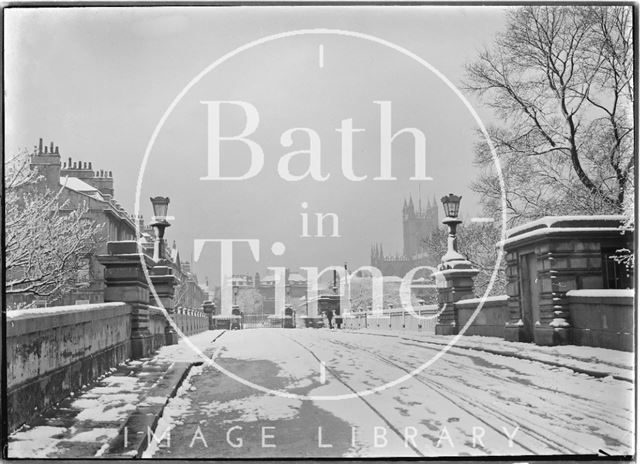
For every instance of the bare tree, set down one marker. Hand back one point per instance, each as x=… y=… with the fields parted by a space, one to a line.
x=477 y=242
x=188 y=293
x=361 y=293
x=561 y=81
x=250 y=300
x=46 y=242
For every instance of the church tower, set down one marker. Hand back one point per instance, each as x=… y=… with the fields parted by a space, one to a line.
x=417 y=224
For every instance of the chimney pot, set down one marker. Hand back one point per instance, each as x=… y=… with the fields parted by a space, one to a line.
x=110 y=174
x=90 y=165
x=40 y=146
x=45 y=148
x=57 y=150
x=51 y=149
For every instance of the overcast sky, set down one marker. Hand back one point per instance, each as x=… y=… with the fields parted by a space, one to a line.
x=97 y=81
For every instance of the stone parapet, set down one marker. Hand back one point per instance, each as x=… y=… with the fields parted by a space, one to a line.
x=54 y=351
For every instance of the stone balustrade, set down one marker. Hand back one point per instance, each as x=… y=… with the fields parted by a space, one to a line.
x=423 y=319
x=599 y=318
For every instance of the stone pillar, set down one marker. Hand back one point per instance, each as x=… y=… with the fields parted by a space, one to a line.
x=514 y=330
x=454 y=283
x=209 y=307
x=164 y=283
x=125 y=281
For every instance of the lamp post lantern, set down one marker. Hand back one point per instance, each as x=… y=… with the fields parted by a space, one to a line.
x=451 y=204
x=236 y=289
x=159 y=223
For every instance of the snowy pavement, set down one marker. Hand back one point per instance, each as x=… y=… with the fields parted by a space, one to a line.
x=282 y=392
x=85 y=424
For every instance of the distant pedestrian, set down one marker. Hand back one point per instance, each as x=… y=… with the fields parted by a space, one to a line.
x=329 y=314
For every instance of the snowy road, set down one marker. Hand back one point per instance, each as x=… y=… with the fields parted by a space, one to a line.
x=467 y=402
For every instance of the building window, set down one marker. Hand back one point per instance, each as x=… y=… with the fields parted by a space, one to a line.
x=616 y=272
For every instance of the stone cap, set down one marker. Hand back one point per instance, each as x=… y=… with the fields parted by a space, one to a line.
x=24 y=321
x=603 y=296
x=125 y=250
x=572 y=226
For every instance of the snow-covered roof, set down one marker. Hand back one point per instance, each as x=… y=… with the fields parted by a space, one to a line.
x=296 y=278
x=564 y=224
x=567 y=221
x=80 y=186
x=77 y=185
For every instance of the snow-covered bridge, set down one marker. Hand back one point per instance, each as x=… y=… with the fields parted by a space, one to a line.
x=320 y=392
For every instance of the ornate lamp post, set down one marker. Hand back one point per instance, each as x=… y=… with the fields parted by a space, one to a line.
x=162 y=274
x=451 y=205
x=159 y=224
x=236 y=289
x=454 y=278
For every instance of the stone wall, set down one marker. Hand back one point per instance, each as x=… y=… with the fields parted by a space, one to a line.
x=491 y=319
x=54 y=351
x=602 y=318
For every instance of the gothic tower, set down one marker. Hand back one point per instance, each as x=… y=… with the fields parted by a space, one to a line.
x=417 y=224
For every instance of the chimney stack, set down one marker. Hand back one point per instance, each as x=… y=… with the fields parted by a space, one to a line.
x=47 y=163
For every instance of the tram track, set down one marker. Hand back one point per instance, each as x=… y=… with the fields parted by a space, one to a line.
x=460 y=396
x=581 y=405
x=366 y=402
x=437 y=388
